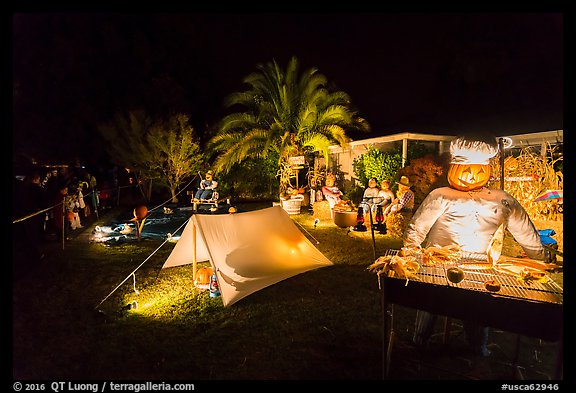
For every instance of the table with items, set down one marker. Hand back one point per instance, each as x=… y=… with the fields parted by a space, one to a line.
x=517 y=295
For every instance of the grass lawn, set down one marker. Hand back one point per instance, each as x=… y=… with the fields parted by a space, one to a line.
x=321 y=325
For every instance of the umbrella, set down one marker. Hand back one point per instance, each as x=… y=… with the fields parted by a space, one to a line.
x=550 y=194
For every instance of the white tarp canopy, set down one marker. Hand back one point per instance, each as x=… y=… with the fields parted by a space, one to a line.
x=248 y=251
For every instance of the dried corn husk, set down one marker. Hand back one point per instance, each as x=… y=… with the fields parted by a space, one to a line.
x=395 y=266
x=436 y=254
x=495 y=246
x=528 y=277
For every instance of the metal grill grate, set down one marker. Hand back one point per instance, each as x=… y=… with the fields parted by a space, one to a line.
x=475 y=277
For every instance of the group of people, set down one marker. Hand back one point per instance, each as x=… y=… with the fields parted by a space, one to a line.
x=384 y=197
x=49 y=204
x=374 y=196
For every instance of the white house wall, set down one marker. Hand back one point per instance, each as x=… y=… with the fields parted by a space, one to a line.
x=342 y=159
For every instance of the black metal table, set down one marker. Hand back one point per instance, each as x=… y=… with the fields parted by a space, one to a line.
x=534 y=310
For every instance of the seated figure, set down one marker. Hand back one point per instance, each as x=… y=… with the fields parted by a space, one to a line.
x=207 y=188
x=370 y=198
x=399 y=212
x=331 y=192
x=405 y=200
x=386 y=195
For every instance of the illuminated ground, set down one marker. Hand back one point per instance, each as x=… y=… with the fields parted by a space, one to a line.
x=321 y=325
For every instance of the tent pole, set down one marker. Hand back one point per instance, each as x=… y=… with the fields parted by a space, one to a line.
x=194 y=262
x=501 y=147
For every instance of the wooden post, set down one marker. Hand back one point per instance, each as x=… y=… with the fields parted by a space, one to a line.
x=501 y=145
x=140 y=226
x=194 y=262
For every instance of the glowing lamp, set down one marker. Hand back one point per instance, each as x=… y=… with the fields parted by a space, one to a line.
x=131 y=306
x=380 y=224
x=360 y=227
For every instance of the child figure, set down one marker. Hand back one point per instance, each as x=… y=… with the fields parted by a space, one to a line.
x=72 y=211
x=385 y=195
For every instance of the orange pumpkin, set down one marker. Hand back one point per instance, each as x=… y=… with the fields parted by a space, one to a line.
x=203 y=276
x=141 y=212
x=468 y=177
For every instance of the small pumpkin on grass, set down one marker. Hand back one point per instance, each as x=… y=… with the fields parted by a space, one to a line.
x=203 y=276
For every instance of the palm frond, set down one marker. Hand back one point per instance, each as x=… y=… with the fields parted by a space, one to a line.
x=240 y=120
x=335 y=114
x=286 y=111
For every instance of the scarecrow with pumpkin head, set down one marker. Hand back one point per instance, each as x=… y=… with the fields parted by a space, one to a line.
x=468 y=214
x=207 y=187
x=404 y=201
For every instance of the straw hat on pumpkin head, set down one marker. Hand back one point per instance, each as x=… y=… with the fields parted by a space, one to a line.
x=404 y=181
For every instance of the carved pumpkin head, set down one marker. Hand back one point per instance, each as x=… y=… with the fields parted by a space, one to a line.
x=468 y=177
x=470 y=165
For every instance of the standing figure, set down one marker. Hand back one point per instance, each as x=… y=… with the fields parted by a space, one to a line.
x=468 y=214
x=29 y=201
x=93 y=191
x=207 y=187
x=331 y=192
x=60 y=213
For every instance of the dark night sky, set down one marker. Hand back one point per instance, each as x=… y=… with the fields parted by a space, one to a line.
x=430 y=72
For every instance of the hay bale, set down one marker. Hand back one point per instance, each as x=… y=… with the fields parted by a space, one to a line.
x=397 y=223
x=528 y=175
x=322 y=210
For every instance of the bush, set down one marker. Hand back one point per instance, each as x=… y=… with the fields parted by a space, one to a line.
x=426 y=173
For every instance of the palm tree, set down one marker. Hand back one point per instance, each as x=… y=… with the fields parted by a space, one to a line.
x=286 y=113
